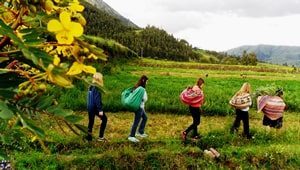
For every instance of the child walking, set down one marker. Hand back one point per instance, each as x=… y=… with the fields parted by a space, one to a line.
x=241 y=101
x=140 y=114
x=194 y=109
x=95 y=108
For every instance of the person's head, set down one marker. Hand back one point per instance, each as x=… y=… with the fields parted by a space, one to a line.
x=142 y=82
x=279 y=92
x=246 y=88
x=200 y=82
x=98 y=79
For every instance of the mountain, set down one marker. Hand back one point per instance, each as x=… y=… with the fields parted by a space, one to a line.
x=149 y=42
x=100 y=4
x=289 y=55
x=152 y=42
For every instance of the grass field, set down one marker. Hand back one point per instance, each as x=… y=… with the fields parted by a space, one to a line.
x=168 y=117
x=167 y=79
x=163 y=149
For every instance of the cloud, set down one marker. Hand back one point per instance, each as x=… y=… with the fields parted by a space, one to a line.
x=246 y=8
x=219 y=24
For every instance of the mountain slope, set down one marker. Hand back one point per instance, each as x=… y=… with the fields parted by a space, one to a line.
x=100 y=4
x=274 y=54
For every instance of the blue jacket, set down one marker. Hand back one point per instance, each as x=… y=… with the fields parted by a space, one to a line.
x=94 y=101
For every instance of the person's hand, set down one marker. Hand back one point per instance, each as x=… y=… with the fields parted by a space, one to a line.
x=101 y=113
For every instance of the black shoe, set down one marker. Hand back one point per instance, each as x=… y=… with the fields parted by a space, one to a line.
x=197 y=137
x=250 y=137
x=233 y=130
x=89 y=138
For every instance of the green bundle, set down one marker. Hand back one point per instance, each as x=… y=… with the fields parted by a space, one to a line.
x=270 y=90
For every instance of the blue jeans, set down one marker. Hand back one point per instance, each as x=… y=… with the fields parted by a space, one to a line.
x=140 y=113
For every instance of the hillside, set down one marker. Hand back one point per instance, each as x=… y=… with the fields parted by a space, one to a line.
x=149 y=42
x=100 y=4
x=289 y=55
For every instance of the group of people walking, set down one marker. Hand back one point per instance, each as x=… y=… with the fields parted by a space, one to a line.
x=271 y=106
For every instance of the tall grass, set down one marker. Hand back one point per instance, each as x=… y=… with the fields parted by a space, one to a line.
x=165 y=85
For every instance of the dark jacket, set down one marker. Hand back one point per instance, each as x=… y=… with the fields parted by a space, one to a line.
x=94 y=101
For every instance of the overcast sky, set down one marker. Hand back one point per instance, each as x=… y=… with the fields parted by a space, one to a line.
x=218 y=24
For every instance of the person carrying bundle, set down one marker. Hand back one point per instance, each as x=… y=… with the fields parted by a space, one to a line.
x=194 y=98
x=134 y=99
x=273 y=108
x=241 y=101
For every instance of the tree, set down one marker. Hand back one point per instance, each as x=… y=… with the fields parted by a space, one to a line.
x=41 y=47
x=248 y=58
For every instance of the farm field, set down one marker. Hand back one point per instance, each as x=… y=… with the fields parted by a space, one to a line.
x=167 y=79
x=163 y=149
x=168 y=117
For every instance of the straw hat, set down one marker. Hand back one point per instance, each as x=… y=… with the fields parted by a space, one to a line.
x=98 y=79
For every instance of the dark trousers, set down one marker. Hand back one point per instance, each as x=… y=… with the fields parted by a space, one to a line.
x=138 y=115
x=195 y=112
x=92 y=115
x=244 y=116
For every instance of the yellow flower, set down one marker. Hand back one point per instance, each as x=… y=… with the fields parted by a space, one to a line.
x=56 y=60
x=56 y=78
x=77 y=68
x=63 y=50
x=76 y=7
x=93 y=56
x=65 y=29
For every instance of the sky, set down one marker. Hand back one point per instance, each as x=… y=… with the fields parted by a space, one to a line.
x=218 y=24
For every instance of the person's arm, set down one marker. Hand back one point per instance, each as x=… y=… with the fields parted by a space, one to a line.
x=98 y=101
x=261 y=103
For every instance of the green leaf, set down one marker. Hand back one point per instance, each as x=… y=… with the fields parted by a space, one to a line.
x=5 y=112
x=40 y=132
x=3 y=71
x=6 y=30
x=58 y=111
x=7 y=93
x=44 y=58
x=3 y=59
x=9 y=80
x=73 y=118
x=26 y=123
x=3 y=156
x=32 y=42
x=18 y=124
x=81 y=128
x=32 y=54
x=45 y=102
x=29 y=55
x=32 y=36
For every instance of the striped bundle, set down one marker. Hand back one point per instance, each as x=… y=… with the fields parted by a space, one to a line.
x=241 y=101
x=271 y=106
x=191 y=97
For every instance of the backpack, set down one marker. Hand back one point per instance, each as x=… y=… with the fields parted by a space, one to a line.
x=241 y=101
x=132 y=99
x=188 y=96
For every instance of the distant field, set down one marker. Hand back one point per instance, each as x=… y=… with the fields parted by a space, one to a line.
x=166 y=83
x=167 y=79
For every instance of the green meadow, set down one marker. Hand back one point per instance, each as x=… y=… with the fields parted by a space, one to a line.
x=167 y=117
